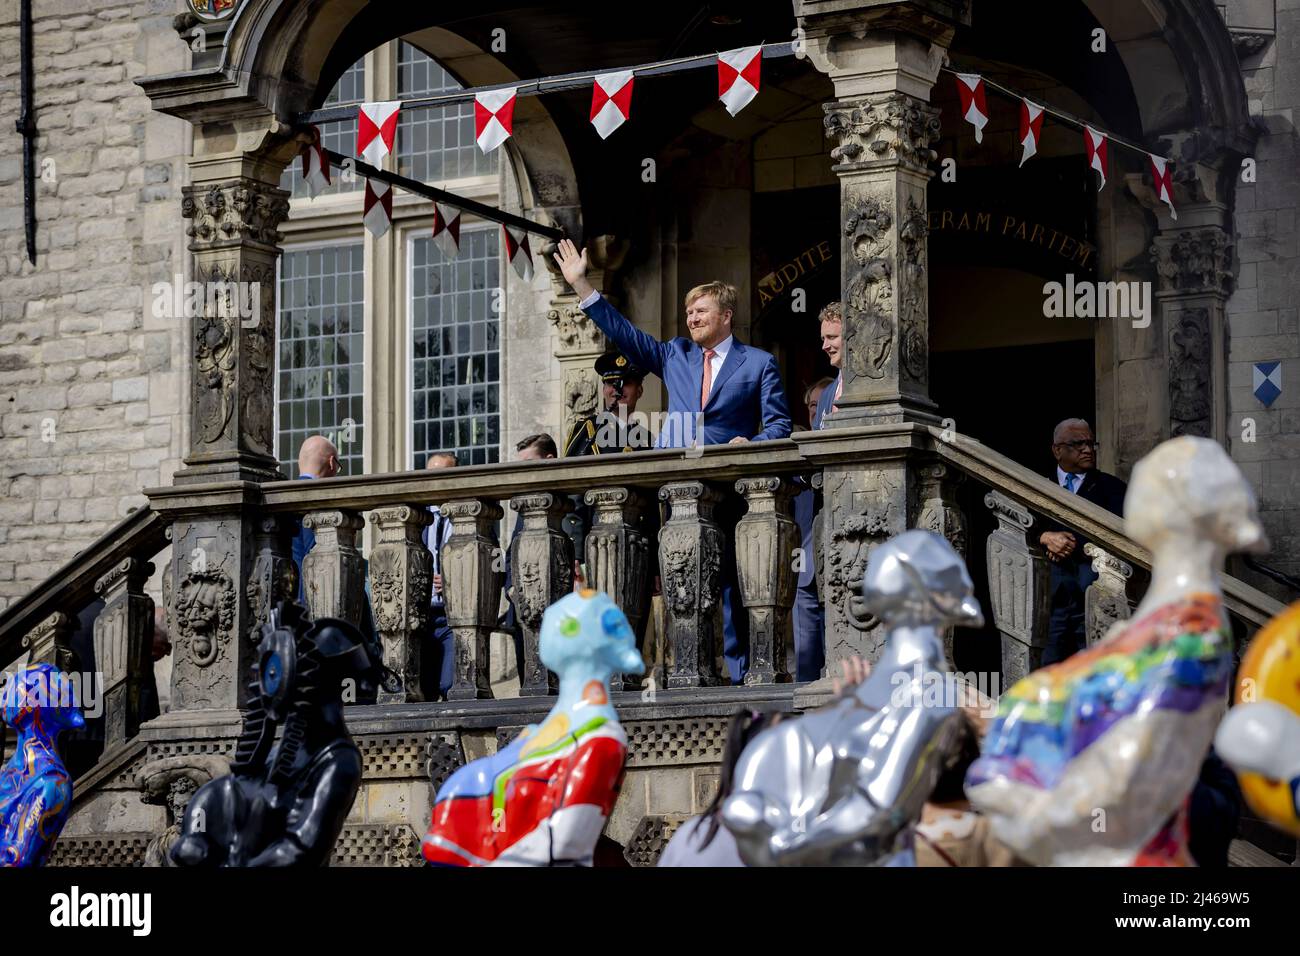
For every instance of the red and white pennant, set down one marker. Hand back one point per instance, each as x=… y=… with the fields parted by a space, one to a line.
x=446 y=229
x=738 y=77
x=611 y=101
x=974 y=109
x=494 y=114
x=1164 y=176
x=315 y=167
x=1095 y=147
x=378 y=208
x=376 y=129
x=518 y=251
x=1031 y=127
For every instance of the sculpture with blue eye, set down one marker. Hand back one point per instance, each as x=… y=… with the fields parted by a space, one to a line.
x=543 y=799
x=35 y=789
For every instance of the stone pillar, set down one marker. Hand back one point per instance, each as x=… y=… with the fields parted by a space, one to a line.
x=50 y=643
x=123 y=646
x=883 y=57
x=1107 y=599
x=937 y=511
x=579 y=342
x=1194 y=264
x=541 y=572
x=472 y=575
x=1018 y=588
x=618 y=558
x=766 y=539
x=332 y=569
x=274 y=576
x=401 y=575
x=690 y=564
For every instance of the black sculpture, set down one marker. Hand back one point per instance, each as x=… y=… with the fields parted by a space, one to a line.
x=283 y=804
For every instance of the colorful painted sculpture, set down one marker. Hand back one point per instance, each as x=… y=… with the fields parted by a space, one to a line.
x=284 y=803
x=1260 y=737
x=35 y=789
x=845 y=784
x=1091 y=761
x=543 y=799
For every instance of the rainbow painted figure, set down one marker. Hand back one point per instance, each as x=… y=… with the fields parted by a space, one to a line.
x=35 y=789
x=543 y=799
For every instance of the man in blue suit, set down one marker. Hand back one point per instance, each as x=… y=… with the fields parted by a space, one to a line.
x=732 y=390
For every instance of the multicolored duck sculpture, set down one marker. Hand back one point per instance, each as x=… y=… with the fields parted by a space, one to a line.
x=1090 y=762
x=543 y=799
x=1260 y=737
x=35 y=789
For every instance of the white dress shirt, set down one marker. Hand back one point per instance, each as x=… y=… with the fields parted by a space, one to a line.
x=1062 y=474
x=720 y=352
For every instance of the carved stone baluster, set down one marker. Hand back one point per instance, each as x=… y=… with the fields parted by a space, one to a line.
x=123 y=642
x=766 y=539
x=50 y=643
x=690 y=562
x=937 y=511
x=1018 y=588
x=541 y=569
x=401 y=573
x=1107 y=599
x=332 y=569
x=618 y=558
x=274 y=577
x=472 y=575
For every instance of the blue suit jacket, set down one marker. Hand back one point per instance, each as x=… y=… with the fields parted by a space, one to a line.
x=746 y=401
x=824 y=402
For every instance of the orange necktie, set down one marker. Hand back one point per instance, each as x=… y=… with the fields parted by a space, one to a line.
x=708 y=377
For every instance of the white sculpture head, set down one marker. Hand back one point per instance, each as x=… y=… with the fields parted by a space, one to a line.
x=1188 y=488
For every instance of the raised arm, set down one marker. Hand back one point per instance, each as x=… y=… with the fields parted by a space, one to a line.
x=643 y=349
x=776 y=412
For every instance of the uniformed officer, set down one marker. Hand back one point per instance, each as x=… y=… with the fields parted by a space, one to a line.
x=608 y=430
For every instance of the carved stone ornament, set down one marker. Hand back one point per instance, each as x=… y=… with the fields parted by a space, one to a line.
x=576 y=332
x=867 y=224
x=216 y=358
x=1194 y=262
x=913 y=290
x=580 y=393
x=890 y=126
x=239 y=210
x=1189 y=375
x=205 y=613
x=859 y=522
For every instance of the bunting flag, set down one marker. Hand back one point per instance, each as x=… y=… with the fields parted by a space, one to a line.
x=518 y=252
x=376 y=129
x=315 y=167
x=738 y=76
x=378 y=207
x=1031 y=127
x=1164 y=182
x=446 y=229
x=1094 y=145
x=611 y=101
x=494 y=114
x=970 y=86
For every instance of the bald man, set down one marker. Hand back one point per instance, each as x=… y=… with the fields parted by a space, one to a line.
x=438 y=669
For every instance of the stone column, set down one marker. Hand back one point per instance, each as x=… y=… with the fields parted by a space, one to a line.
x=332 y=569
x=690 y=564
x=1018 y=588
x=472 y=574
x=123 y=646
x=1107 y=600
x=618 y=558
x=766 y=539
x=234 y=208
x=1194 y=264
x=937 y=511
x=541 y=572
x=50 y=643
x=883 y=57
x=274 y=577
x=579 y=342
x=401 y=575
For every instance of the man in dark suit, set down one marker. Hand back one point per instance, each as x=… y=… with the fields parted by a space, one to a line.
x=734 y=389
x=1074 y=449
x=610 y=430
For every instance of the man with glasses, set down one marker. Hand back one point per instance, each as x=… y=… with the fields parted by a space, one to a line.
x=1075 y=451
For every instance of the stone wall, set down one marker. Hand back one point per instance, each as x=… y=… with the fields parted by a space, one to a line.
x=90 y=379
x=1262 y=313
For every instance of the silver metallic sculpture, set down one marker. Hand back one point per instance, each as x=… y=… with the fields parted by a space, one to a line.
x=845 y=784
